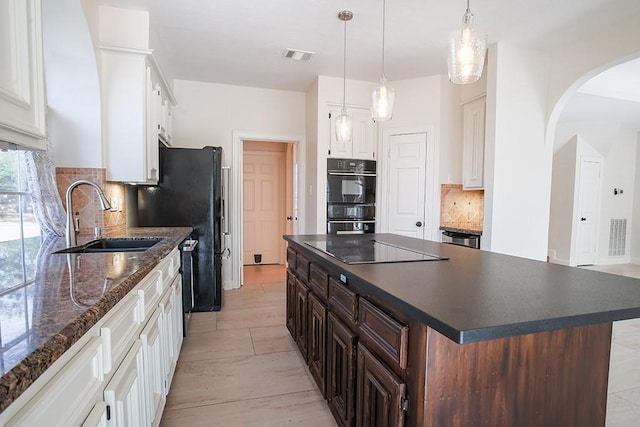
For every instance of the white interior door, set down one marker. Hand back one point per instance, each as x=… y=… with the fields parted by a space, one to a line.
x=588 y=204
x=263 y=206
x=407 y=155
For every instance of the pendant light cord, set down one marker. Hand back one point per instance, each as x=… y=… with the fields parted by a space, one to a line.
x=383 y=25
x=468 y=9
x=344 y=68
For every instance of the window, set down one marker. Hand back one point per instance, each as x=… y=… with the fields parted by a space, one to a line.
x=19 y=245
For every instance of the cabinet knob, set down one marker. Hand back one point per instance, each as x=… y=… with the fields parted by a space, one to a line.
x=583 y=219
x=419 y=224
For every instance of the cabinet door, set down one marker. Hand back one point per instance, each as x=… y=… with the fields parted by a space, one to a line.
x=166 y=335
x=473 y=144
x=154 y=379
x=380 y=393
x=302 y=293
x=363 y=141
x=97 y=417
x=341 y=379
x=22 y=106
x=364 y=138
x=291 y=303
x=317 y=338
x=124 y=393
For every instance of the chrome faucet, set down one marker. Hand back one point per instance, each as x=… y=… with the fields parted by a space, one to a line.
x=71 y=229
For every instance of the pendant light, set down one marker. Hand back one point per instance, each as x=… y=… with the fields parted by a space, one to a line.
x=467 y=49
x=382 y=97
x=343 y=123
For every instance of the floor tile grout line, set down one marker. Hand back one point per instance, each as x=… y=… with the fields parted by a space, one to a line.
x=313 y=390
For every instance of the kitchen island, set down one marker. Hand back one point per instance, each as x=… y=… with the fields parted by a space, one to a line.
x=70 y=309
x=466 y=338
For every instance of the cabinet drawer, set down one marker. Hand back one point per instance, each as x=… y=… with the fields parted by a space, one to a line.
x=169 y=268
x=383 y=334
x=319 y=281
x=291 y=259
x=118 y=331
x=302 y=267
x=343 y=301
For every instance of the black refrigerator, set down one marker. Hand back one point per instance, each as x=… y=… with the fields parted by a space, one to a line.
x=189 y=193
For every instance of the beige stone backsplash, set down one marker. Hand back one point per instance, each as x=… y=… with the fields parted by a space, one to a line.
x=85 y=199
x=461 y=209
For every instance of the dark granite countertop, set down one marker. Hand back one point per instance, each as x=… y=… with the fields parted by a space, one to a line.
x=479 y=296
x=62 y=310
x=472 y=231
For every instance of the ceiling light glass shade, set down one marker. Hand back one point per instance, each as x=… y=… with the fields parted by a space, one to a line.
x=467 y=49
x=344 y=126
x=382 y=99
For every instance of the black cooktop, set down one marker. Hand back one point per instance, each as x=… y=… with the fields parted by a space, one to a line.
x=357 y=251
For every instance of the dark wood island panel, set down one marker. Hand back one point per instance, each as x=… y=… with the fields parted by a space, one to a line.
x=481 y=339
x=556 y=378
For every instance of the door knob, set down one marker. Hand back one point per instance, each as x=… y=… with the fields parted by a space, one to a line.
x=583 y=219
x=418 y=224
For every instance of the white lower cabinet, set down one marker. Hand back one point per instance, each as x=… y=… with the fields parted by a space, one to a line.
x=97 y=417
x=120 y=372
x=125 y=393
x=152 y=350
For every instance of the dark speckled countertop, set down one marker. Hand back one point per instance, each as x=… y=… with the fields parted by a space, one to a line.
x=479 y=296
x=62 y=310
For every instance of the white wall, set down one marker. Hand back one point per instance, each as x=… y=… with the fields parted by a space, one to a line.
x=72 y=86
x=124 y=27
x=635 y=222
x=312 y=157
x=208 y=113
x=517 y=160
x=563 y=202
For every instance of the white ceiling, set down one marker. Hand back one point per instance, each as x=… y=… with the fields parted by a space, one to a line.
x=240 y=42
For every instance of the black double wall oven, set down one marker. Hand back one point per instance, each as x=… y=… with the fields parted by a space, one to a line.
x=351 y=196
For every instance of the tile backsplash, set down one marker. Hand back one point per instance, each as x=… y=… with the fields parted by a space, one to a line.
x=461 y=209
x=85 y=199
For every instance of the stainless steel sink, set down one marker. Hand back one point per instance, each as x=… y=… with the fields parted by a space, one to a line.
x=112 y=245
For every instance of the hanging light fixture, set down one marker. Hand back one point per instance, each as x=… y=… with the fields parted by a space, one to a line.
x=344 y=125
x=382 y=96
x=467 y=49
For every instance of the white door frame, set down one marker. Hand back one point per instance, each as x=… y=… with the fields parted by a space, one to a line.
x=432 y=198
x=236 y=191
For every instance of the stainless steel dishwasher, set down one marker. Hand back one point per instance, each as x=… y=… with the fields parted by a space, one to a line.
x=187 y=249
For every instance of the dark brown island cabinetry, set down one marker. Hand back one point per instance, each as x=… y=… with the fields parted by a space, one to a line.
x=478 y=339
x=356 y=352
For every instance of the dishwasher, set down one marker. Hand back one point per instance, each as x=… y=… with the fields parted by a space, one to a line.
x=461 y=239
x=187 y=249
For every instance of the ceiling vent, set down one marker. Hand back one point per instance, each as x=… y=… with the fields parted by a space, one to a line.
x=297 y=54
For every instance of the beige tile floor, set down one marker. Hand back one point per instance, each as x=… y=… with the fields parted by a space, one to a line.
x=623 y=403
x=240 y=367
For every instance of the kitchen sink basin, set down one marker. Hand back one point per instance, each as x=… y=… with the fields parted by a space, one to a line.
x=112 y=245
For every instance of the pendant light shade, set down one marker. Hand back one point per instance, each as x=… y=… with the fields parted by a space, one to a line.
x=383 y=96
x=382 y=101
x=343 y=123
x=467 y=49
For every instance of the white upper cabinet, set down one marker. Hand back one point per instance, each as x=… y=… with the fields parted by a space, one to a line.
x=22 y=105
x=136 y=103
x=363 y=141
x=473 y=144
